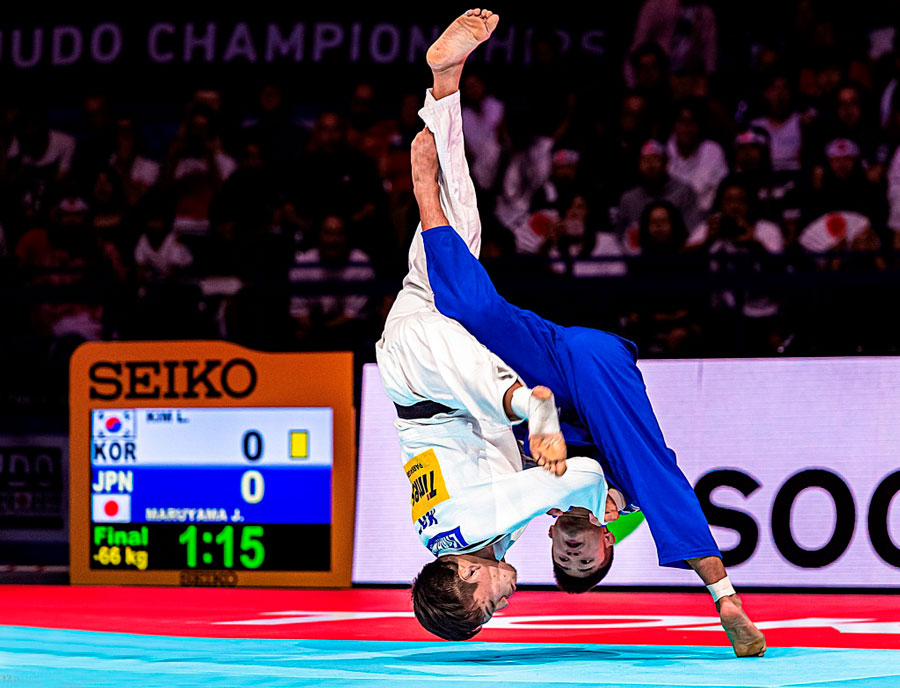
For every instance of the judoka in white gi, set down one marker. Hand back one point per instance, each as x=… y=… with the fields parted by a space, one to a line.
x=470 y=497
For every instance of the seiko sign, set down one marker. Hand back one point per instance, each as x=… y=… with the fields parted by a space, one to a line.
x=178 y=379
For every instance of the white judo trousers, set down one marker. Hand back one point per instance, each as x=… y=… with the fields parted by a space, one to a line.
x=468 y=489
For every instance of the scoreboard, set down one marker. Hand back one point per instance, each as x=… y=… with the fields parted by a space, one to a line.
x=203 y=463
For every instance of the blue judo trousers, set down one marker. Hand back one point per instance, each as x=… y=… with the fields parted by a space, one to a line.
x=597 y=385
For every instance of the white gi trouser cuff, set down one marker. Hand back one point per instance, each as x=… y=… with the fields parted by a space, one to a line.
x=541 y=413
x=720 y=589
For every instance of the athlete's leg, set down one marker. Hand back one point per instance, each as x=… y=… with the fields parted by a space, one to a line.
x=442 y=115
x=613 y=402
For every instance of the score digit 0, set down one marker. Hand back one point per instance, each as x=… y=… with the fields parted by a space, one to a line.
x=253 y=487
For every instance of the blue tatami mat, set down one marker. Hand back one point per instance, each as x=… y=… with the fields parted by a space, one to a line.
x=82 y=659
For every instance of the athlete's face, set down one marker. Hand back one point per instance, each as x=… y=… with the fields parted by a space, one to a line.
x=495 y=581
x=580 y=547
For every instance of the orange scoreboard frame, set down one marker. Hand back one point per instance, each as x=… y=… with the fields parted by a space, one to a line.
x=192 y=378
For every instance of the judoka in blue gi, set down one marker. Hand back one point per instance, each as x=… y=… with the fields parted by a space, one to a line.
x=604 y=410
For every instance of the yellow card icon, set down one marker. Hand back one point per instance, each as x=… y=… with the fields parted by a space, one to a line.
x=299 y=444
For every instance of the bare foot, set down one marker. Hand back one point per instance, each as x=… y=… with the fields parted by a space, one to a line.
x=460 y=38
x=746 y=639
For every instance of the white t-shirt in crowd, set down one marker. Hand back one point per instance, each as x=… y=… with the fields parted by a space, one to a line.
x=60 y=151
x=702 y=171
x=224 y=162
x=308 y=267
x=765 y=232
x=480 y=129
x=171 y=254
x=787 y=141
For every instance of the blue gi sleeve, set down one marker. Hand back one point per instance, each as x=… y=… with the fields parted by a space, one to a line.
x=463 y=291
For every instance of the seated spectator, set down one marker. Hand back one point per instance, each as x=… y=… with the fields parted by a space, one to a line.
x=693 y=159
x=738 y=242
x=41 y=152
x=665 y=322
x=843 y=185
x=850 y=120
x=649 y=76
x=137 y=172
x=783 y=123
x=94 y=138
x=108 y=206
x=159 y=255
x=777 y=194
x=334 y=175
x=655 y=184
x=736 y=224
x=576 y=247
x=330 y=320
x=482 y=116
x=68 y=252
x=272 y=126
x=196 y=167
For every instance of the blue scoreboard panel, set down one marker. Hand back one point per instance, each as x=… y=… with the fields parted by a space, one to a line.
x=217 y=489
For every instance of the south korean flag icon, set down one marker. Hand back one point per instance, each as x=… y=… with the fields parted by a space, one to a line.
x=110 y=508
x=113 y=424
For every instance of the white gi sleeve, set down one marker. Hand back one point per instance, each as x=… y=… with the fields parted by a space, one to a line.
x=506 y=504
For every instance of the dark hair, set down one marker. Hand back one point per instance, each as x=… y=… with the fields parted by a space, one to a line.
x=677 y=238
x=738 y=181
x=572 y=585
x=444 y=603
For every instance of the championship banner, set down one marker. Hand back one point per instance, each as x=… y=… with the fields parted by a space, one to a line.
x=795 y=461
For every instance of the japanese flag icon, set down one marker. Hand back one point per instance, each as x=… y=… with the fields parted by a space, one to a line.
x=110 y=508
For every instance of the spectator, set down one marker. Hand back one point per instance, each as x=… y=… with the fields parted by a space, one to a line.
x=843 y=185
x=108 y=208
x=575 y=246
x=685 y=29
x=330 y=320
x=693 y=159
x=782 y=122
x=95 y=141
x=197 y=166
x=159 y=255
x=739 y=243
x=777 y=196
x=655 y=184
x=666 y=323
x=482 y=124
x=334 y=175
x=272 y=127
x=851 y=122
x=69 y=253
x=649 y=75
x=43 y=153
x=137 y=172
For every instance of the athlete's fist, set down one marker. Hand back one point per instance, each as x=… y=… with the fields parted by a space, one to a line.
x=549 y=452
x=424 y=159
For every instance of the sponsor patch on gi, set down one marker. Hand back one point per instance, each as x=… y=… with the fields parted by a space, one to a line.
x=426 y=482
x=452 y=539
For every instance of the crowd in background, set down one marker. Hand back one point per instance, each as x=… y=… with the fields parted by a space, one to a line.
x=706 y=181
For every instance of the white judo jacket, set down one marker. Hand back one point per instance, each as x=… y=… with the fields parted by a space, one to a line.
x=467 y=486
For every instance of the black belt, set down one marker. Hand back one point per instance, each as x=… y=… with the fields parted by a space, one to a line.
x=424 y=409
